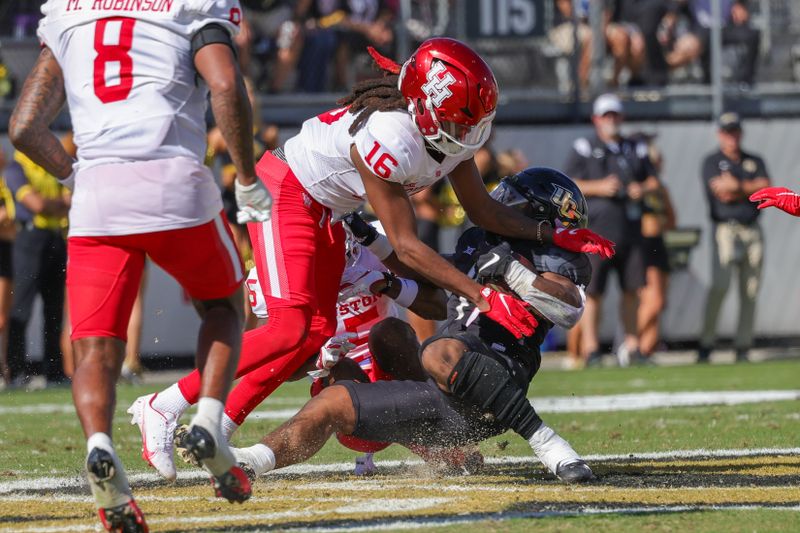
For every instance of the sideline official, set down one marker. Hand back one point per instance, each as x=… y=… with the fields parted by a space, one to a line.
x=730 y=175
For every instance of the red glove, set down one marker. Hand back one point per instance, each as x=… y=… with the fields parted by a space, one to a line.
x=510 y=313
x=780 y=197
x=583 y=240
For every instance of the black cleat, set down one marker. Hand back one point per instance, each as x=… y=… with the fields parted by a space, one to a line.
x=232 y=485
x=179 y=442
x=100 y=464
x=125 y=518
x=576 y=472
x=108 y=484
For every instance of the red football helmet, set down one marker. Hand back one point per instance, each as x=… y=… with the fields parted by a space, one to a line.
x=451 y=93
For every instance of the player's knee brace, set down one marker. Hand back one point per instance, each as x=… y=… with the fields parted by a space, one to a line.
x=482 y=381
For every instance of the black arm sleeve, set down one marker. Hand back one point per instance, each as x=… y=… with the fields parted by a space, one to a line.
x=211 y=34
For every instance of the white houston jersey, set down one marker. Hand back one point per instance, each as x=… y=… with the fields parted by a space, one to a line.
x=131 y=85
x=389 y=144
x=354 y=315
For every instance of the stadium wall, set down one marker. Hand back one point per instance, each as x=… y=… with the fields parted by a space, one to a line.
x=170 y=323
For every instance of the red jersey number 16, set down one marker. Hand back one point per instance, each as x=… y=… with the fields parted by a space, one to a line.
x=381 y=164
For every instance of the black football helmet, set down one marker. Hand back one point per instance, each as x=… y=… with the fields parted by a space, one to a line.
x=543 y=193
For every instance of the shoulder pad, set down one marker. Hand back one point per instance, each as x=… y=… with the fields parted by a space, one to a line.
x=389 y=147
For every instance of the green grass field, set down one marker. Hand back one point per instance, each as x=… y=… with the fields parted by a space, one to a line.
x=743 y=489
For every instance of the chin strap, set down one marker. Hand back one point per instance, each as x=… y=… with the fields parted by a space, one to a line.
x=384 y=62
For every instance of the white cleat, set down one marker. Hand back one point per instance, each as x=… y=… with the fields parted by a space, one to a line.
x=157 y=428
x=365 y=466
x=558 y=456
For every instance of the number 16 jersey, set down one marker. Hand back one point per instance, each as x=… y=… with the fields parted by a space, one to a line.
x=389 y=143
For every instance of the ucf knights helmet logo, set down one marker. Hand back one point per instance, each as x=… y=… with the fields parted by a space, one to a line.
x=567 y=206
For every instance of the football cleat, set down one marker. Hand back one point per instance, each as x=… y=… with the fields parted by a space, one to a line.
x=365 y=465
x=230 y=483
x=558 y=456
x=576 y=472
x=179 y=442
x=157 y=427
x=125 y=518
x=116 y=507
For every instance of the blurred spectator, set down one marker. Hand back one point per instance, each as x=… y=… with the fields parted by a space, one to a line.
x=614 y=173
x=19 y=18
x=427 y=18
x=657 y=217
x=369 y=23
x=40 y=259
x=7 y=233
x=132 y=368
x=647 y=16
x=736 y=31
x=318 y=20
x=269 y=32
x=624 y=41
x=730 y=176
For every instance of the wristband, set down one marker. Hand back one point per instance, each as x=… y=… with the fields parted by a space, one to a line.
x=408 y=292
x=69 y=181
x=381 y=247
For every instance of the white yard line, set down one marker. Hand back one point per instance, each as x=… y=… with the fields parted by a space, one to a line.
x=412 y=523
x=50 y=483
x=547 y=404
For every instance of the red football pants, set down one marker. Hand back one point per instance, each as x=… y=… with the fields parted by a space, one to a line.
x=104 y=272
x=300 y=257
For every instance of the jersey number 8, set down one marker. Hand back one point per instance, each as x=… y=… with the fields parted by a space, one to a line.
x=110 y=53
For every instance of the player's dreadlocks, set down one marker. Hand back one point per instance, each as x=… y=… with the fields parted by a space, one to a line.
x=377 y=94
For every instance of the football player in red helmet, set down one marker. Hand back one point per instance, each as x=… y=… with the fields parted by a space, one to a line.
x=392 y=137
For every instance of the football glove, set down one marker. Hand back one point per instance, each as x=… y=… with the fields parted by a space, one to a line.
x=510 y=313
x=254 y=202
x=334 y=350
x=583 y=240
x=780 y=197
x=368 y=283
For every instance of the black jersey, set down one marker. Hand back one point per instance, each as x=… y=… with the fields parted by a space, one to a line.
x=463 y=316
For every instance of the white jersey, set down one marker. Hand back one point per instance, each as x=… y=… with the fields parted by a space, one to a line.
x=389 y=143
x=354 y=315
x=134 y=96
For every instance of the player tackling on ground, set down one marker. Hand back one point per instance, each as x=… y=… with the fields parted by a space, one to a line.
x=479 y=372
x=393 y=137
x=136 y=81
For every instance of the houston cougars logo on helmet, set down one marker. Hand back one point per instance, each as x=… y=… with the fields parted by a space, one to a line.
x=437 y=87
x=451 y=94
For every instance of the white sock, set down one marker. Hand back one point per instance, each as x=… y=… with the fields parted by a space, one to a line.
x=551 y=449
x=171 y=400
x=260 y=457
x=100 y=440
x=209 y=410
x=228 y=426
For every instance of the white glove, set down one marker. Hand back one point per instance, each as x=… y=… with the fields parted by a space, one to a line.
x=254 y=202
x=363 y=285
x=334 y=350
